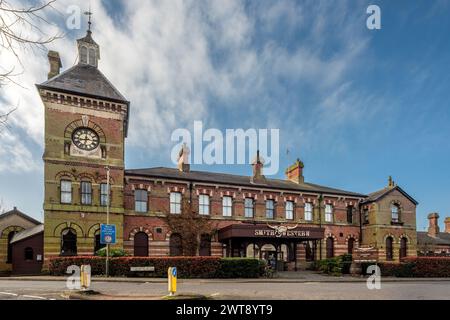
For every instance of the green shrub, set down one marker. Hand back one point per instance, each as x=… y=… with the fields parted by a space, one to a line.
x=336 y=265
x=346 y=262
x=112 y=253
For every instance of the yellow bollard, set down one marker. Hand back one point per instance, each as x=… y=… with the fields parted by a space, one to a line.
x=85 y=277
x=172 y=280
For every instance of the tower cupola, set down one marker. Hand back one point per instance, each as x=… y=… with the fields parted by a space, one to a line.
x=88 y=49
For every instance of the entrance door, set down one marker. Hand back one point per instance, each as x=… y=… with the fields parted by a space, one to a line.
x=141 y=244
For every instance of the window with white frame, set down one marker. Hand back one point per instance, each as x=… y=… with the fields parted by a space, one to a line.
x=66 y=191
x=395 y=213
x=248 y=207
x=103 y=194
x=140 y=200
x=270 y=205
x=328 y=213
x=175 y=202
x=289 y=210
x=308 y=211
x=227 y=206
x=203 y=204
x=86 y=192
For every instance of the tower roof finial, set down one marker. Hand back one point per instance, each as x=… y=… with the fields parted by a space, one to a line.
x=89 y=14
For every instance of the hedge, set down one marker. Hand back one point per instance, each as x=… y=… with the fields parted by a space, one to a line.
x=240 y=268
x=419 y=267
x=187 y=267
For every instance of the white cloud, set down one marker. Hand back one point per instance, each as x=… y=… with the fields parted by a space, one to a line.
x=177 y=61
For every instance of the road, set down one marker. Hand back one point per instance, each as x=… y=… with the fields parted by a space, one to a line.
x=40 y=290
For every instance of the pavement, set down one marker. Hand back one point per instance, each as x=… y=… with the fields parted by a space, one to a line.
x=298 y=286
x=280 y=277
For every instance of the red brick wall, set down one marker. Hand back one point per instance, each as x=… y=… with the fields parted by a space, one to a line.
x=22 y=266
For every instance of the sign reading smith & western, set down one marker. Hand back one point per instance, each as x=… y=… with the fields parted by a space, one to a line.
x=270 y=231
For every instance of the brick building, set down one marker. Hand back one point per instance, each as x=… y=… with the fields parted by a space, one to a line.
x=291 y=220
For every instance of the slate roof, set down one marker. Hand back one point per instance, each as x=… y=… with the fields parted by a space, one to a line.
x=85 y=80
x=230 y=179
x=20 y=214
x=374 y=196
x=27 y=233
x=423 y=238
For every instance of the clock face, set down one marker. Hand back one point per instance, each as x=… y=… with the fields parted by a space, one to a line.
x=85 y=139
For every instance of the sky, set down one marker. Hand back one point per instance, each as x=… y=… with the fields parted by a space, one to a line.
x=355 y=105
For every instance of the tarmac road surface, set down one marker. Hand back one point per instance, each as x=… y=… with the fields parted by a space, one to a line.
x=49 y=290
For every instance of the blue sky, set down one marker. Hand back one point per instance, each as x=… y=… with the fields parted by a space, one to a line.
x=356 y=105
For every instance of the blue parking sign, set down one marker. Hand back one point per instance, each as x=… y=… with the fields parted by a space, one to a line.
x=107 y=233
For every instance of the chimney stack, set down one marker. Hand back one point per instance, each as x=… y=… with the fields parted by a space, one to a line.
x=55 y=63
x=447 y=224
x=183 y=159
x=433 y=225
x=257 y=165
x=295 y=172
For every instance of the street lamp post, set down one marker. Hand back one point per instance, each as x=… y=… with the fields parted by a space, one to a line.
x=107 y=218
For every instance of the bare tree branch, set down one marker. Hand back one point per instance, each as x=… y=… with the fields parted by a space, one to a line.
x=19 y=30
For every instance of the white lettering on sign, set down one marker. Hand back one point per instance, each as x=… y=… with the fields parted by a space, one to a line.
x=142 y=268
x=287 y=233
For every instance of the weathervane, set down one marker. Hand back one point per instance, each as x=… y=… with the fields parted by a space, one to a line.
x=89 y=14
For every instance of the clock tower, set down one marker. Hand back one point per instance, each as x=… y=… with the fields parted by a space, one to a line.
x=86 y=123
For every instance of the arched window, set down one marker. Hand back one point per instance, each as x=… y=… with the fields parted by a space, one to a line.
x=28 y=253
x=141 y=244
x=330 y=247
x=395 y=213
x=83 y=55
x=350 y=245
x=252 y=251
x=97 y=244
x=403 y=247
x=389 y=250
x=9 y=254
x=205 y=245
x=175 y=244
x=69 y=242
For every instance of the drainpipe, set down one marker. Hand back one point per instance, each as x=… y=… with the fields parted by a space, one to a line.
x=360 y=224
x=320 y=224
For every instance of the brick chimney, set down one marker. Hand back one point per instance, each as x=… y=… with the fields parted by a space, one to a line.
x=257 y=165
x=295 y=172
x=447 y=224
x=183 y=159
x=55 y=63
x=433 y=224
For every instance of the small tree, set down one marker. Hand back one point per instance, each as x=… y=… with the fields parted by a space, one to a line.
x=190 y=226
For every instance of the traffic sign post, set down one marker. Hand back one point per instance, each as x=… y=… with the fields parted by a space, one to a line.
x=107 y=236
x=172 y=280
